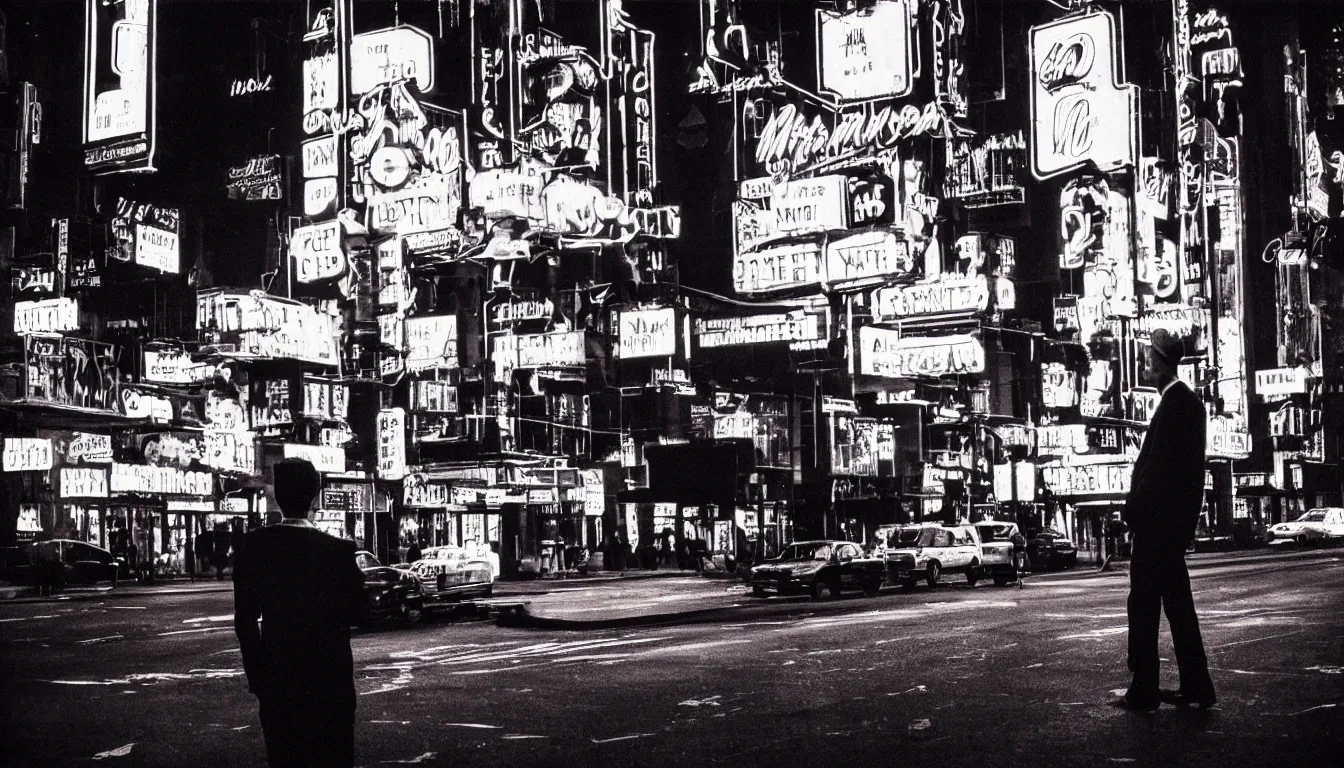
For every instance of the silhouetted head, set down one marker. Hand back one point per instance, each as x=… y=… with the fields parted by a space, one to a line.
x=297 y=483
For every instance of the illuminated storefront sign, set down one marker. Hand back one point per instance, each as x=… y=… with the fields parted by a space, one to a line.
x=866 y=55
x=323 y=458
x=810 y=205
x=738 y=425
x=1080 y=112
x=385 y=55
x=147 y=234
x=867 y=256
x=391 y=443
x=946 y=294
x=47 y=316
x=984 y=171
x=1088 y=479
x=317 y=253
x=647 y=333
x=174 y=366
x=89 y=449
x=1059 y=386
x=257 y=179
x=1280 y=382
x=231 y=451
x=74 y=372
x=83 y=483
x=888 y=353
x=142 y=478
x=433 y=397
x=791 y=143
x=27 y=454
x=431 y=343
x=1224 y=440
x=120 y=84
x=543 y=350
x=781 y=267
x=1061 y=439
x=268 y=327
x=324 y=399
x=757 y=329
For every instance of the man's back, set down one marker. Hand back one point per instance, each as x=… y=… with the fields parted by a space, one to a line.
x=305 y=587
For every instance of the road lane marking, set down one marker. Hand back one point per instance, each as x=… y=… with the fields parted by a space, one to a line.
x=20 y=618
x=193 y=631
x=473 y=725
x=623 y=738
x=516 y=736
x=221 y=617
x=418 y=759
x=118 y=752
x=108 y=639
x=1256 y=640
x=128 y=607
x=151 y=678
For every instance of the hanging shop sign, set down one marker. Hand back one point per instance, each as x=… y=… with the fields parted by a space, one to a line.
x=866 y=55
x=790 y=143
x=757 y=329
x=428 y=206
x=888 y=353
x=810 y=205
x=1224 y=439
x=224 y=413
x=321 y=91
x=325 y=459
x=433 y=397
x=88 y=448
x=120 y=85
x=317 y=252
x=740 y=425
x=65 y=371
x=867 y=256
x=170 y=449
x=505 y=314
x=83 y=483
x=647 y=333
x=1061 y=439
x=147 y=234
x=504 y=192
x=391 y=430
x=984 y=171
x=431 y=343
x=946 y=294
x=46 y=316
x=325 y=400
x=228 y=451
x=1015 y=481
x=167 y=481
x=1088 y=479
x=27 y=454
x=257 y=179
x=270 y=403
x=753 y=226
x=1059 y=386
x=263 y=326
x=776 y=268
x=550 y=350
x=174 y=366
x=319 y=157
x=1081 y=113
x=386 y=55
x=420 y=492
x=137 y=403
x=1281 y=382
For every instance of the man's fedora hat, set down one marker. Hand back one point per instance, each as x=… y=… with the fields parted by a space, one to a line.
x=1168 y=346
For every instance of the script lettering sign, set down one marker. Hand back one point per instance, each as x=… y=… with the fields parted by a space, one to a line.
x=945 y=295
x=757 y=329
x=888 y=353
x=868 y=55
x=867 y=256
x=648 y=333
x=777 y=268
x=1081 y=114
x=317 y=254
x=47 y=316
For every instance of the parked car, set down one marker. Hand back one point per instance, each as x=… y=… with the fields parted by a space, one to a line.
x=1316 y=525
x=934 y=550
x=819 y=568
x=389 y=591
x=81 y=562
x=1048 y=548
x=996 y=550
x=450 y=575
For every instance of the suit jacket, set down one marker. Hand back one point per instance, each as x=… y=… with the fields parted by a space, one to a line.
x=306 y=589
x=1166 y=491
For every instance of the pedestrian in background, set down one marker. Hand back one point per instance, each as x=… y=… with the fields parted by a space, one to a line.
x=413 y=553
x=297 y=590
x=221 y=550
x=205 y=548
x=1165 y=497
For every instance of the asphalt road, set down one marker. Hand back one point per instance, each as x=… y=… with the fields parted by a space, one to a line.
x=952 y=676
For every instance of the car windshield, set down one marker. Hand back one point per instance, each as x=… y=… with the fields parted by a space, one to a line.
x=995 y=532
x=908 y=536
x=1314 y=516
x=809 y=551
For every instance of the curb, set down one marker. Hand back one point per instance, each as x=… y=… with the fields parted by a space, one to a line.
x=69 y=597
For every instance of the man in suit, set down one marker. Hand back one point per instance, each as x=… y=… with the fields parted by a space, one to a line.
x=305 y=586
x=1165 y=496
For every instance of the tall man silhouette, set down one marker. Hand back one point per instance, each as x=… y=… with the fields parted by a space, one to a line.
x=1165 y=496
x=305 y=587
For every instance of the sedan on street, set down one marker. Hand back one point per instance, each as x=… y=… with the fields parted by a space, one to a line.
x=819 y=568
x=1315 y=526
x=389 y=591
x=1048 y=548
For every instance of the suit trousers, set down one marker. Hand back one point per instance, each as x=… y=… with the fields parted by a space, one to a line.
x=308 y=730
x=1158 y=580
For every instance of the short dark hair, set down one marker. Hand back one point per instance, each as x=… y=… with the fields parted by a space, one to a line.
x=297 y=483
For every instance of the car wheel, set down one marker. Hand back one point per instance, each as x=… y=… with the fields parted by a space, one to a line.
x=413 y=614
x=1302 y=540
x=872 y=588
x=758 y=591
x=932 y=576
x=822 y=590
x=972 y=575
